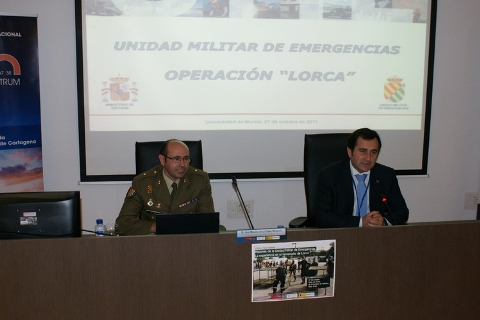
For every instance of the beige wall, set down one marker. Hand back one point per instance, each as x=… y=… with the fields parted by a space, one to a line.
x=454 y=140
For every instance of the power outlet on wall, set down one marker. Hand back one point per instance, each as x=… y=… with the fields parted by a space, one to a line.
x=471 y=201
x=235 y=210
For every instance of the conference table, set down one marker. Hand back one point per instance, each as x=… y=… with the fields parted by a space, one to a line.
x=416 y=271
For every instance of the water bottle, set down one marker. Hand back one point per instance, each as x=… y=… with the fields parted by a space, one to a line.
x=100 y=228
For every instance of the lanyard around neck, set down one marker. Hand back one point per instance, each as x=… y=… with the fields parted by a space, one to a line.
x=359 y=205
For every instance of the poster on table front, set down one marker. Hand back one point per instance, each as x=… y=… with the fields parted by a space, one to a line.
x=289 y=271
x=21 y=167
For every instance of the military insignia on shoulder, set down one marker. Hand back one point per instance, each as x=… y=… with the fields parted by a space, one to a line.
x=131 y=193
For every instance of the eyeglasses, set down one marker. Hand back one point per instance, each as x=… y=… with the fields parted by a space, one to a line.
x=178 y=159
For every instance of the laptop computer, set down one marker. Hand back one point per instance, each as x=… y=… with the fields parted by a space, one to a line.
x=184 y=223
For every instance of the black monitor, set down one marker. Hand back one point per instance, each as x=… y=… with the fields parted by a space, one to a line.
x=40 y=214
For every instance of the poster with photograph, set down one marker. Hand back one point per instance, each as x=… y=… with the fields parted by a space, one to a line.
x=293 y=270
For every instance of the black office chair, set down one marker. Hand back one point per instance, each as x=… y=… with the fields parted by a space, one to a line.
x=319 y=151
x=146 y=154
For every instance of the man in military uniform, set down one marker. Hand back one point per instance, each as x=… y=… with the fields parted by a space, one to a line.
x=171 y=187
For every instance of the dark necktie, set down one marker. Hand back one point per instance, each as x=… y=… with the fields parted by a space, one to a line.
x=174 y=189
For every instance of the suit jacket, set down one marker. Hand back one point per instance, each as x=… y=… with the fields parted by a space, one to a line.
x=335 y=196
x=149 y=192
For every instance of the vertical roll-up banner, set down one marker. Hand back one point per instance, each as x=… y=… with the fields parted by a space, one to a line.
x=21 y=167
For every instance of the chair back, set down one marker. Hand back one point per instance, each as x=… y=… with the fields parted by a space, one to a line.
x=146 y=154
x=320 y=150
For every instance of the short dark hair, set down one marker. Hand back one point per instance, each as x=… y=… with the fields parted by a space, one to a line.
x=164 y=147
x=364 y=133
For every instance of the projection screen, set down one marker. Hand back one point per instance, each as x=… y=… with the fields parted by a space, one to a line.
x=250 y=78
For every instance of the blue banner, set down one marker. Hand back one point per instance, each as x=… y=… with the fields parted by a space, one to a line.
x=21 y=166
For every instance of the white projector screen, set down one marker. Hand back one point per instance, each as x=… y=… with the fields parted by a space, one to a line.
x=250 y=78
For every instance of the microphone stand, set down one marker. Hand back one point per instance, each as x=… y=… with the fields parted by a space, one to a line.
x=242 y=203
x=385 y=200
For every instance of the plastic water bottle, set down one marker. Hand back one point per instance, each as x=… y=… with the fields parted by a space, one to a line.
x=100 y=228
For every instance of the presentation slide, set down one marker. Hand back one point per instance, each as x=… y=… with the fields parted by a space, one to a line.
x=213 y=69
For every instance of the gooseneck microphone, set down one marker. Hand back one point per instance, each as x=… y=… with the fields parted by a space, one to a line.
x=385 y=202
x=242 y=203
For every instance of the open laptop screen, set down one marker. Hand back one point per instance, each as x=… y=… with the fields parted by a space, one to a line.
x=184 y=223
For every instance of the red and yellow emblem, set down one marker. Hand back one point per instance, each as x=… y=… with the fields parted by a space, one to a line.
x=394 y=90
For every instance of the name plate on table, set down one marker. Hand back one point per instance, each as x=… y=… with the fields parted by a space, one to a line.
x=269 y=234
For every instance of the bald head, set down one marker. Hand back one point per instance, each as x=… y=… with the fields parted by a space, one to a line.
x=166 y=144
x=172 y=157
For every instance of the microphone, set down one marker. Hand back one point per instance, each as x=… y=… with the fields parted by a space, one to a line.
x=242 y=203
x=385 y=202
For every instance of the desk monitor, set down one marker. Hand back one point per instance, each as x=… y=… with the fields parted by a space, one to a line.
x=181 y=223
x=40 y=214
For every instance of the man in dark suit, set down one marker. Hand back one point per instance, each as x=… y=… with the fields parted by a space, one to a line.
x=153 y=191
x=280 y=276
x=379 y=202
